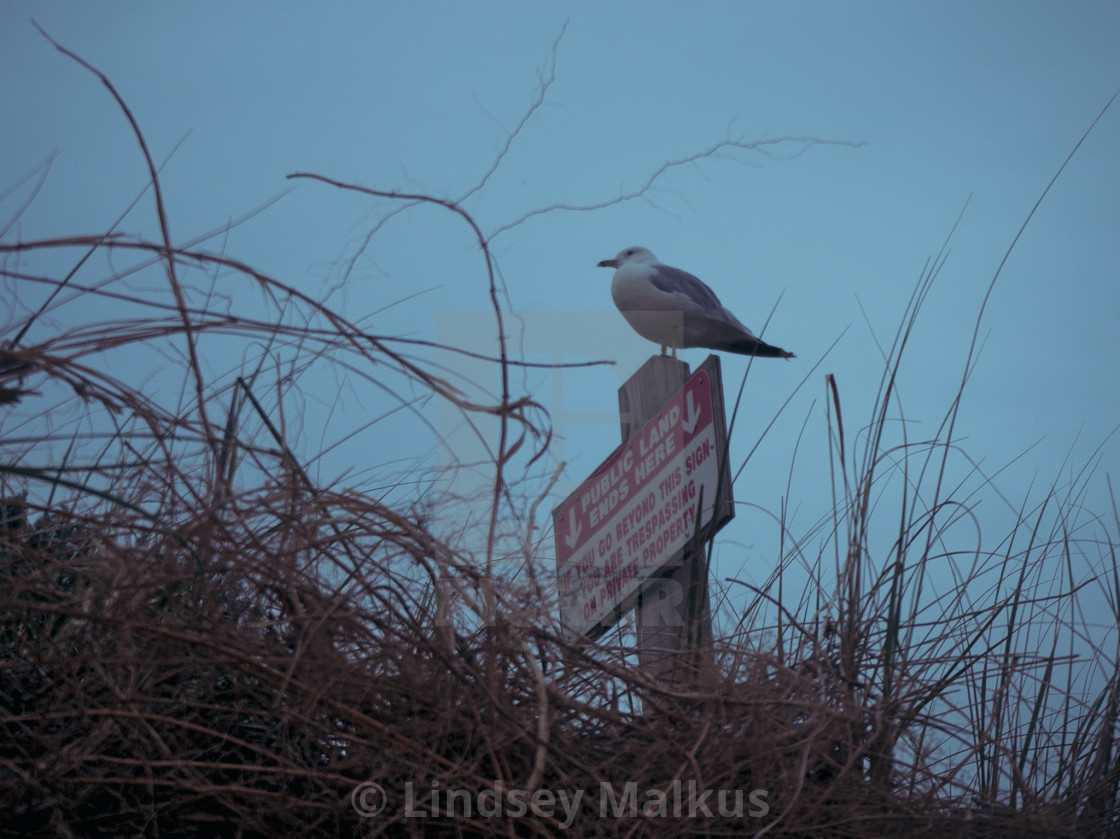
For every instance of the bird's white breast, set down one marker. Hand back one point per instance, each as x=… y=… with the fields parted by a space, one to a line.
x=631 y=289
x=653 y=314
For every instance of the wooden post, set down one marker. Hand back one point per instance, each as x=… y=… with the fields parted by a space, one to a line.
x=673 y=615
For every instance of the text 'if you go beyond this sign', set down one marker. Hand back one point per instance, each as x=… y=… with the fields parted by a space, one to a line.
x=639 y=509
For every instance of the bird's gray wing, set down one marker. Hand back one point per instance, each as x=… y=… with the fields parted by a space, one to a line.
x=675 y=281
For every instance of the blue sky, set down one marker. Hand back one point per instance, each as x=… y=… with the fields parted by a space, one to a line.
x=951 y=103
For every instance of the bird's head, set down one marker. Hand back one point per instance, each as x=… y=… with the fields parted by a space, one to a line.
x=639 y=255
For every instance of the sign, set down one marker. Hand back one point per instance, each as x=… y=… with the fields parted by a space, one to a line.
x=639 y=509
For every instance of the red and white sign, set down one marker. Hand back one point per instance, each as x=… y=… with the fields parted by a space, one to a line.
x=639 y=508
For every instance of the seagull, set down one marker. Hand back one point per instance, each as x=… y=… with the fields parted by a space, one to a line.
x=675 y=309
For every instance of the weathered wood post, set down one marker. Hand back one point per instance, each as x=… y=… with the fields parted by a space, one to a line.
x=673 y=616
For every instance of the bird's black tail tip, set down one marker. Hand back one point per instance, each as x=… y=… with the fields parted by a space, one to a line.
x=762 y=349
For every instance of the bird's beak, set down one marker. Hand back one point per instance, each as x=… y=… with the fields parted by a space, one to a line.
x=608 y=263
